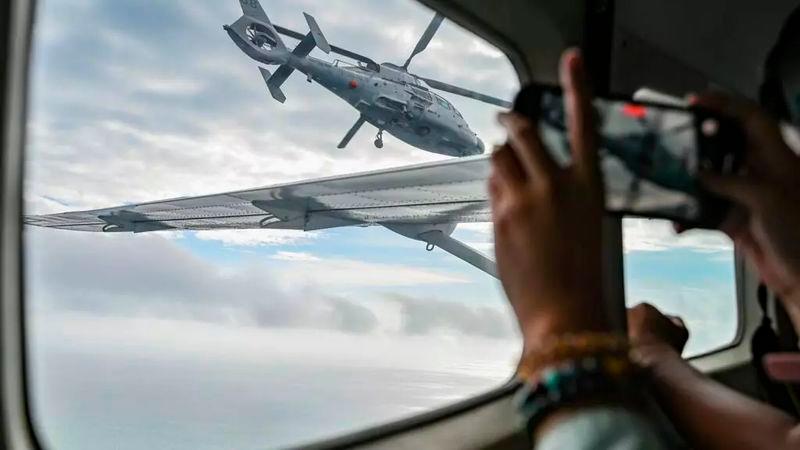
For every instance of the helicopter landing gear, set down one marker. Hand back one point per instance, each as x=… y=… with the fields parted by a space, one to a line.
x=379 y=139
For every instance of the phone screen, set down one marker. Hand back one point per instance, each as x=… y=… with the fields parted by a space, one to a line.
x=648 y=155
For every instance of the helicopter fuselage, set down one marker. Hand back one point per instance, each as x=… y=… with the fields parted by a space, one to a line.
x=385 y=95
x=394 y=101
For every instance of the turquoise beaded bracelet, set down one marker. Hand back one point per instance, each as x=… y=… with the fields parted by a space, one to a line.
x=573 y=381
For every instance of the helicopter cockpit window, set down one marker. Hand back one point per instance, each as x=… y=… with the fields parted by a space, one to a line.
x=442 y=102
x=250 y=320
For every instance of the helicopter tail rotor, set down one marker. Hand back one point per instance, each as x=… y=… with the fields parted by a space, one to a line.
x=258 y=38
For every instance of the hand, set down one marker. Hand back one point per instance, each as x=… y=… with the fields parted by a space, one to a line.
x=547 y=220
x=648 y=326
x=765 y=226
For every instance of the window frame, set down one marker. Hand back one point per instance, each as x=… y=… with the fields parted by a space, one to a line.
x=18 y=431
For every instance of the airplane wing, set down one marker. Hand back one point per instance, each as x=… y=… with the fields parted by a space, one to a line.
x=436 y=193
x=422 y=202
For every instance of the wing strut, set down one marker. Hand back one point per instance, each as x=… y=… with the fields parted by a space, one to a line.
x=461 y=251
x=439 y=236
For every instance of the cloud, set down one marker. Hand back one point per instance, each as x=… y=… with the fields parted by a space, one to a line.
x=422 y=316
x=345 y=272
x=640 y=235
x=646 y=235
x=165 y=105
x=255 y=238
x=294 y=256
x=150 y=276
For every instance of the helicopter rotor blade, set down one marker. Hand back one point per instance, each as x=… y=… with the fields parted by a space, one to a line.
x=466 y=93
x=433 y=27
x=372 y=65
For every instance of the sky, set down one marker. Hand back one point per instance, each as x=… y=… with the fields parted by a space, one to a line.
x=250 y=339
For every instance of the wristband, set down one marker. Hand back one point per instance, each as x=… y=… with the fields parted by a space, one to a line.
x=569 y=347
x=572 y=381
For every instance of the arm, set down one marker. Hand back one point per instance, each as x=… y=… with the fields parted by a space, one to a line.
x=706 y=413
x=710 y=415
x=765 y=226
x=548 y=245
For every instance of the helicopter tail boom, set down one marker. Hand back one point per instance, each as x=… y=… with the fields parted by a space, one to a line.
x=257 y=37
x=275 y=80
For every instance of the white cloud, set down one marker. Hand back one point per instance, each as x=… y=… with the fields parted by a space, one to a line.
x=343 y=272
x=658 y=235
x=481 y=47
x=255 y=238
x=294 y=256
x=151 y=276
x=642 y=235
x=485 y=228
x=157 y=83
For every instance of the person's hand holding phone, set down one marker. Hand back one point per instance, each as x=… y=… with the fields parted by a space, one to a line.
x=765 y=224
x=548 y=220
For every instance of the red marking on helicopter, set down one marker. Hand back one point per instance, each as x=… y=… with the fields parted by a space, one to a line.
x=353 y=84
x=635 y=111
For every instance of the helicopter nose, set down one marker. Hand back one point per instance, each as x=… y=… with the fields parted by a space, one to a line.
x=479 y=144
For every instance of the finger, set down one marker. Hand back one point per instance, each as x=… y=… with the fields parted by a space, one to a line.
x=580 y=117
x=724 y=104
x=769 y=155
x=748 y=244
x=738 y=188
x=759 y=127
x=735 y=223
x=498 y=194
x=677 y=321
x=495 y=187
x=507 y=167
x=524 y=140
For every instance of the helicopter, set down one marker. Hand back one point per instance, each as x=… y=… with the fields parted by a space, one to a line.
x=386 y=95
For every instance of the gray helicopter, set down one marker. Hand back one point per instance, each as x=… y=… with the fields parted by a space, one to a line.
x=386 y=95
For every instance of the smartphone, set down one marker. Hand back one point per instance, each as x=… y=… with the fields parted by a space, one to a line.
x=650 y=154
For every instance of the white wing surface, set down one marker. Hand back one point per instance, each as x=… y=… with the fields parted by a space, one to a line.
x=444 y=192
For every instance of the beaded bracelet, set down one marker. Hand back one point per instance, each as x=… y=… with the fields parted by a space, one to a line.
x=572 y=381
x=570 y=347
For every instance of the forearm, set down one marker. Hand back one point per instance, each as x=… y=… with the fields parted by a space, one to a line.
x=710 y=415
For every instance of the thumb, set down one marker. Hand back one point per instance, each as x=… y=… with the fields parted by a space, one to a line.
x=737 y=188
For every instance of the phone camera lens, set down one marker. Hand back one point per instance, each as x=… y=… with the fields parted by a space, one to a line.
x=709 y=127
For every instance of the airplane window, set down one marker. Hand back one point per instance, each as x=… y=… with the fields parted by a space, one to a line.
x=265 y=317
x=689 y=275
